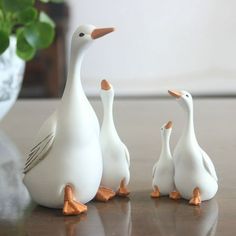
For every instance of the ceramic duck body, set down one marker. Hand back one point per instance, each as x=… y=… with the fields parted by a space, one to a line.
x=69 y=167
x=163 y=170
x=115 y=154
x=195 y=176
x=71 y=150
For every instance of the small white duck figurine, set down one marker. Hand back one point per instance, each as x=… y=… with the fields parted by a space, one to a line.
x=163 y=170
x=195 y=175
x=64 y=168
x=116 y=159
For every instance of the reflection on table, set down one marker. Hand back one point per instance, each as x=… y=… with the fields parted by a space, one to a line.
x=113 y=218
x=179 y=218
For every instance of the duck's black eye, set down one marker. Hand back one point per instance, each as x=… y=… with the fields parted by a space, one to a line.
x=187 y=95
x=81 y=34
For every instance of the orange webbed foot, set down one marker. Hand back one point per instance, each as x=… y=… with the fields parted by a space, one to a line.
x=175 y=195
x=196 y=199
x=104 y=194
x=123 y=191
x=72 y=207
x=155 y=193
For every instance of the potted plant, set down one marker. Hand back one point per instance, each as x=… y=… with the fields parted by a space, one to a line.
x=23 y=31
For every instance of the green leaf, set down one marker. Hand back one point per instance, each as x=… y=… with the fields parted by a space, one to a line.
x=27 y=15
x=39 y=34
x=4 y=41
x=23 y=49
x=19 y=31
x=1 y=15
x=16 y=5
x=43 y=17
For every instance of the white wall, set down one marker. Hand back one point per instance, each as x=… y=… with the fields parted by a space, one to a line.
x=160 y=44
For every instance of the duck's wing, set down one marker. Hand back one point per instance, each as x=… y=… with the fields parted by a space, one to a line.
x=127 y=154
x=208 y=164
x=42 y=144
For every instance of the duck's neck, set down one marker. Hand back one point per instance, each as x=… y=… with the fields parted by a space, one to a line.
x=73 y=85
x=165 y=151
x=108 y=122
x=189 y=132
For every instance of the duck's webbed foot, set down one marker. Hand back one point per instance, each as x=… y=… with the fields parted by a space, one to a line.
x=175 y=195
x=155 y=193
x=123 y=191
x=104 y=194
x=72 y=207
x=196 y=199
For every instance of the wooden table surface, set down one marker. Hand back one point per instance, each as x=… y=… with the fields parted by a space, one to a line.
x=138 y=123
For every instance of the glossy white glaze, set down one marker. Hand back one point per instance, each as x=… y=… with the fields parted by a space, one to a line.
x=193 y=167
x=74 y=156
x=163 y=170
x=115 y=154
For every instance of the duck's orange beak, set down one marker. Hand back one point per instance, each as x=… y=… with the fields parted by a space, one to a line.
x=169 y=125
x=97 y=33
x=105 y=85
x=174 y=93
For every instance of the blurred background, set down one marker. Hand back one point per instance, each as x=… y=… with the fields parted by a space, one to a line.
x=157 y=45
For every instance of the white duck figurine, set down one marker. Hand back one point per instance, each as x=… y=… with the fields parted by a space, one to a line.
x=195 y=175
x=116 y=160
x=64 y=167
x=163 y=170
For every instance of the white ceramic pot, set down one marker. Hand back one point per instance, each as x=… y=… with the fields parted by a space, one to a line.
x=11 y=75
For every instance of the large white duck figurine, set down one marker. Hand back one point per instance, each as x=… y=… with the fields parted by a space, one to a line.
x=163 y=170
x=195 y=175
x=64 y=167
x=116 y=160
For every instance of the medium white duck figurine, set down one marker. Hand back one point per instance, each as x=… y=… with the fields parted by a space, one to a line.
x=64 y=168
x=195 y=175
x=116 y=160
x=163 y=170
